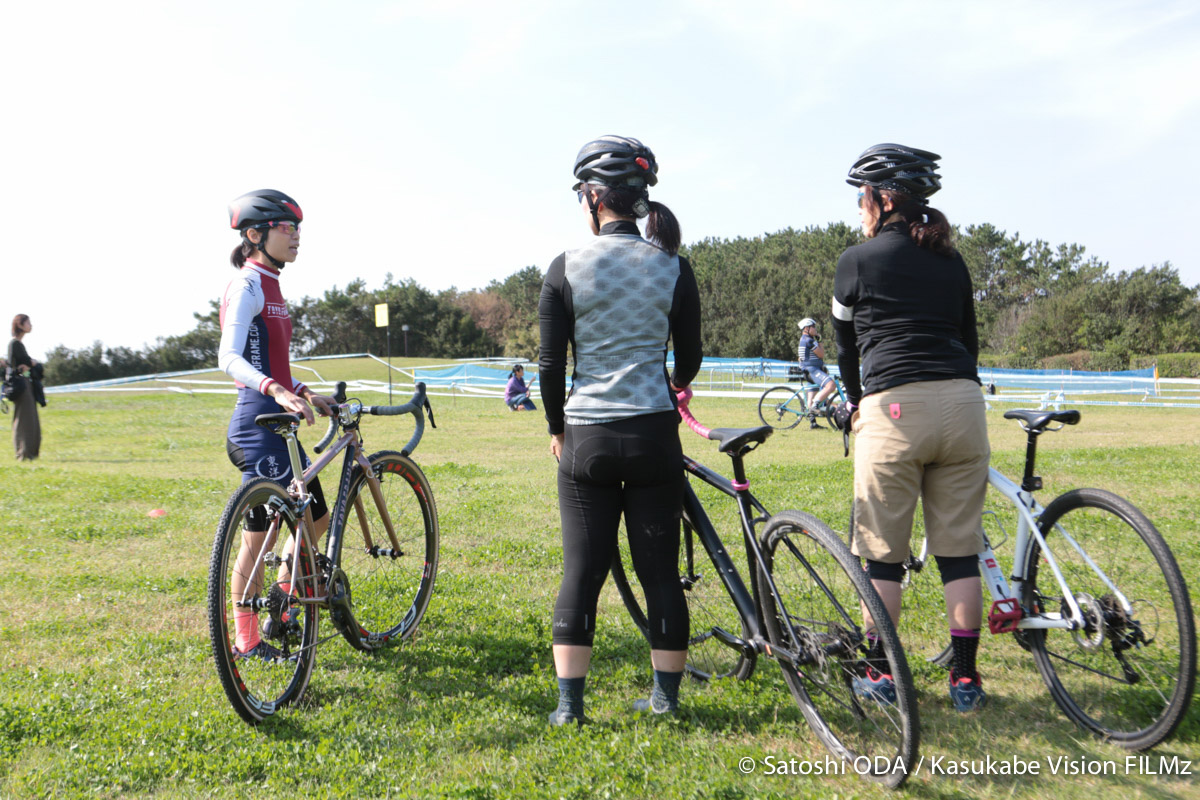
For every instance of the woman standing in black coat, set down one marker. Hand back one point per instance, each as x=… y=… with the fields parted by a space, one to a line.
x=26 y=427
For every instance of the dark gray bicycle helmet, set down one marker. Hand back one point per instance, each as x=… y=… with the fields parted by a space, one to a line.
x=616 y=161
x=897 y=168
x=259 y=209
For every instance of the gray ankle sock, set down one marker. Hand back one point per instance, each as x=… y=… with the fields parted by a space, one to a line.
x=570 y=701
x=664 y=698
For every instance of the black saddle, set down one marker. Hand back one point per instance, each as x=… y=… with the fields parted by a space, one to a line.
x=278 y=423
x=1037 y=420
x=732 y=440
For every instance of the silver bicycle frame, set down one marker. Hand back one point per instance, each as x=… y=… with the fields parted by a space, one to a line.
x=1028 y=512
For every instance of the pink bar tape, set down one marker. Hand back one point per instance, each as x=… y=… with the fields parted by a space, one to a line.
x=741 y=487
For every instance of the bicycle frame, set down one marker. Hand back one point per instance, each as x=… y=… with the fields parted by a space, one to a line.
x=1005 y=603
x=747 y=601
x=352 y=444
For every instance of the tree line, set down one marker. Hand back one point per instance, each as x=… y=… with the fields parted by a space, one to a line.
x=1036 y=305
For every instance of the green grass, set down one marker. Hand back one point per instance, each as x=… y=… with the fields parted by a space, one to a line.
x=108 y=687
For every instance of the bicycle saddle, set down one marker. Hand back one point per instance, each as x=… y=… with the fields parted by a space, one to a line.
x=276 y=422
x=1037 y=420
x=731 y=440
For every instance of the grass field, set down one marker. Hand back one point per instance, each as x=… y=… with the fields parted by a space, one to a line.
x=108 y=686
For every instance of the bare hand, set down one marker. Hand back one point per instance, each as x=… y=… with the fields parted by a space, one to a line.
x=323 y=404
x=292 y=403
x=556 y=445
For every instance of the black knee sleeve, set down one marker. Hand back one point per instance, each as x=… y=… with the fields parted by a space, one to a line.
x=955 y=567
x=574 y=627
x=881 y=571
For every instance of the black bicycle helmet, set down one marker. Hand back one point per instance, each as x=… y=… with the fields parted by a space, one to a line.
x=261 y=208
x=897 y=168
x=616 y=161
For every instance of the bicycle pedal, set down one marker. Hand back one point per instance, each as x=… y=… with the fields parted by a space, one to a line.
x=1005 y=615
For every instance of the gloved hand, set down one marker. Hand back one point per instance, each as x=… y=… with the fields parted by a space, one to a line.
x=843 y=419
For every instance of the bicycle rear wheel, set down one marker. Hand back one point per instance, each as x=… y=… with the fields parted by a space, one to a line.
x=782 y=407
x=389 y=592
x=816 y=615
x=1128 y=675
x=252 y=575
x=709 y=607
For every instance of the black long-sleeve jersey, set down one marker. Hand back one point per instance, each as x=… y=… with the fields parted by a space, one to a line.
x=908 y=312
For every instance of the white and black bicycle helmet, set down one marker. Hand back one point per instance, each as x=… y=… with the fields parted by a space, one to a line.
x=804 y=323
x=898 y=169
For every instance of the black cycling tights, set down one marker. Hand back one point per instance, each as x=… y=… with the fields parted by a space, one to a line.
x=632 y=467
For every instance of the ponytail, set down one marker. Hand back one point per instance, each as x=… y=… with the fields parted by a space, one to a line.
x=927 y=226
x=663 y=228
x=932 y=231
x=240 y=254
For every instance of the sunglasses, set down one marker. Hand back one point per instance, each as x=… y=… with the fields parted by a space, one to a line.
x=286 y=227
x=860 y=199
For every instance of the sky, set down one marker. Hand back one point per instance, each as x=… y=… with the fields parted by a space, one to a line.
x=434 y=141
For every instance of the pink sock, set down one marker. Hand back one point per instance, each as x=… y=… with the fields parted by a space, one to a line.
x=245 y=623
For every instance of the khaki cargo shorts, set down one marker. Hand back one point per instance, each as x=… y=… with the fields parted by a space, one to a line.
x=929 y=440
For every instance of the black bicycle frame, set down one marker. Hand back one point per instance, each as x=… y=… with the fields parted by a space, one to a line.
x=748 y=602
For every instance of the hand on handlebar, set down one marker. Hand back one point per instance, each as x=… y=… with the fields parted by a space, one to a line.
x=326 y=406
x=292 y=403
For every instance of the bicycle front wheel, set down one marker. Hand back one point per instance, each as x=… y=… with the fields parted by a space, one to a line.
x=1128 y=675
x=253 y=597
x=813 y=617
x=782 y=407
x=389 y=589
x=709 y=608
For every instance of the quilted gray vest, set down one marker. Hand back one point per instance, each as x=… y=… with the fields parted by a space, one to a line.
x=622 y=288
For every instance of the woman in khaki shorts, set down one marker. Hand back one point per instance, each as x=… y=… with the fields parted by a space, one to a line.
x=903 y=309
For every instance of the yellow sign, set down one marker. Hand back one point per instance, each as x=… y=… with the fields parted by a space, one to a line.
x=381 y=320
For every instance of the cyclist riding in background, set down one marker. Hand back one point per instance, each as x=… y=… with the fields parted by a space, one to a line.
x=811 y=356
x=256 y=335
x=904 y=306
x=616 y=302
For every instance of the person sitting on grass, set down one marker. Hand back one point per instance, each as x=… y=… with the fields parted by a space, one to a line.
x=516 y=393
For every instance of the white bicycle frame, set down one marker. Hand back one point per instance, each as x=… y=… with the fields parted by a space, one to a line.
x=1028 y=512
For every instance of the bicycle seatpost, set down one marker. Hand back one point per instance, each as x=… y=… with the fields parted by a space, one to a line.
x=1031 y=482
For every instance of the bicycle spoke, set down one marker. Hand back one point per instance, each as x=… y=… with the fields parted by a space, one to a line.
x=1111 y=677
x=816 y=580
x=389 y=590
x=262 y=645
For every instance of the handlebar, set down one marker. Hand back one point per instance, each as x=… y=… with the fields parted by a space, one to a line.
x=417 y=405
x=684 y=396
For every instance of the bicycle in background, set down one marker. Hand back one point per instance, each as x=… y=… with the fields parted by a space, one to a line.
x=784 y=407
x=375 y=574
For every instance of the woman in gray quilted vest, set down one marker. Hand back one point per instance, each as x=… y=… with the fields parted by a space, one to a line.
x=616 y=303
